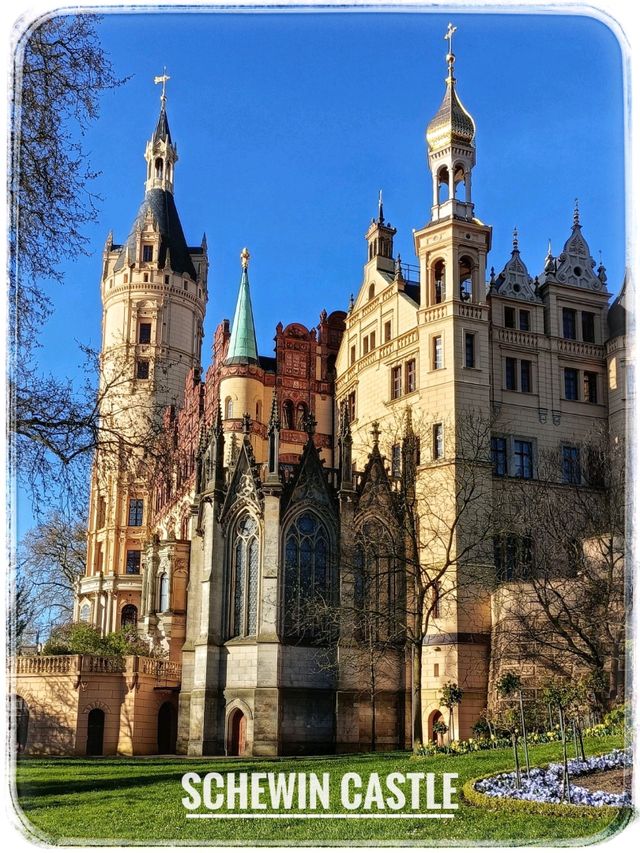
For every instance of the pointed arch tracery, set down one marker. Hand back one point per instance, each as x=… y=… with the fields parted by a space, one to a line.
x=376 y=582
x=243 y=566
x=307 y=574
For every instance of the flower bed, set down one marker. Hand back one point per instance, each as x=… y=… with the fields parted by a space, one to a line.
x=545 y=783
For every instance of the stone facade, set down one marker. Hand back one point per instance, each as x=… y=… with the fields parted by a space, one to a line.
x=289 y=473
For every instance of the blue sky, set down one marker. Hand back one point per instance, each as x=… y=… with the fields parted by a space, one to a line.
x=288 y=124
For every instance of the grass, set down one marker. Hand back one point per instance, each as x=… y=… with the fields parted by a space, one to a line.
x=115 y=800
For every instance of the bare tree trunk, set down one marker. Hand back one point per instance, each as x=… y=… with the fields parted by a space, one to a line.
x=516 y=759
x=416 y=693
x=566 y=789
x=372 y=675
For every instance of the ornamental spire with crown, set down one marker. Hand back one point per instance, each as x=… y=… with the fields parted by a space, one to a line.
x=450 y=140
x=158 y=212
x=243 y=348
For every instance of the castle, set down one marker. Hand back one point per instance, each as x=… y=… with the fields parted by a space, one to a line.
x=284 y=474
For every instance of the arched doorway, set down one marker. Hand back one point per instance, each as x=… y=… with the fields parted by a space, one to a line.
x=167 y=729
x=22 y=723
x=95 y=732
x=237 y=733
x=129 y=616
x=435 y=736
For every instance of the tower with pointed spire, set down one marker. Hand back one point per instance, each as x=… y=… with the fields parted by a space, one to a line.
x=154 y=293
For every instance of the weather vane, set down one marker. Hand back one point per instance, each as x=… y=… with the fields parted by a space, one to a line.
x=162 y=78
x=449 y=36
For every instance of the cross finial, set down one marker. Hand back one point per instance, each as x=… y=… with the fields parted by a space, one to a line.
x=380 y=210
x=244 y=258
x=515 y=239
x=162 y=78
x=576 y=214
x=375 y=432
x=449 y=35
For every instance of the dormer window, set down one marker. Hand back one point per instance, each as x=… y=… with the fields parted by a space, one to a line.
x=147 y=253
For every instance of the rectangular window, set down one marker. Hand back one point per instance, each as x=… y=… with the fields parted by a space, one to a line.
x=570 y=383
x=510 y=366
x=525 y=376
x=437 y=352
x=509 y=317
x=166 y=279
x=499 y=455
x=438 y=441
x=396 y=460
x=136 y=510
x=410 y=376
x=142 y=369
x=590 y=387
x=387 y=331
x=436 y=670
x=571 y=465
x=147 y=253
x=569 y=324
x=352 y=355
x=523 y=459
x=396 y=382
x=469 y=349
x=133 y=563
x=372 y=340
x=588 y=327
x=144 y=333
x=351 y=406
x=525 y=321
x=365 y=345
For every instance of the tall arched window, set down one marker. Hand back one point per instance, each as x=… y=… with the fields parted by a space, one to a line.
x=85 y=612
x=245 y=565
x=163 y=592
x=129 y=615
x=228 y=408
x=439 y=287
x=158 y=168
x=307 y=577
x=301 y=415
x=376 y=583
x=443 y=185
x=287 y=415
x=465 y=269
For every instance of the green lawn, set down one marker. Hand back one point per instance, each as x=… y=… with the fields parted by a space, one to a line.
x=67 y=800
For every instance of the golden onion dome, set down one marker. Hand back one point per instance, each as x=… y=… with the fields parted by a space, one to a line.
x=452 y=123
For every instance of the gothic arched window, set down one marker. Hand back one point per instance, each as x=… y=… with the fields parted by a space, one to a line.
x=159 y=168
x=287 y=415
x=307 y=575
x=228 y=408
x=376 y=583
x=163 y=593
x=244 y=566
x=301 y=416
x=129 y=615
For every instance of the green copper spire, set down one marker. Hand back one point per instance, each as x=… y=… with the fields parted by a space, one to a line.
x=242 y=346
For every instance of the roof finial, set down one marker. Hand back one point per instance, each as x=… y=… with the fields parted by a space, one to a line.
x=244 y=258
x=515 y=239
x=375 y=432
x=450 y=56
x=576 y=215
x=380 y=211
x=162 y=78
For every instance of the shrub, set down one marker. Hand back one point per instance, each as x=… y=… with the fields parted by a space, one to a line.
x=78 y=638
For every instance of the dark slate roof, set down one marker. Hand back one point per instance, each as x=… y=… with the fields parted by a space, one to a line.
x=412 y=289
x=617 y=316
x=267 y=363
x=164 y=210
x=162 y=131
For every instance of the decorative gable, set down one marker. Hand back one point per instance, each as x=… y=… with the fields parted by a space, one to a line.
x=309 y=483
x=514 y=282
x=575 y=265
x=374 y=492
x=245 y=486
